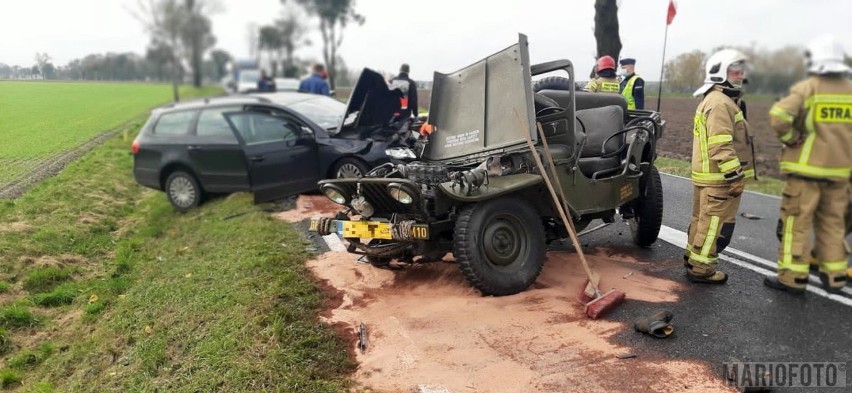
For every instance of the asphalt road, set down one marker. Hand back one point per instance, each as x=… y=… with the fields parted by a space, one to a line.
x=743 y=319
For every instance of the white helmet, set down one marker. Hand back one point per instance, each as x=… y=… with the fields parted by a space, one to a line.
x=825 y=55
x=716 y=69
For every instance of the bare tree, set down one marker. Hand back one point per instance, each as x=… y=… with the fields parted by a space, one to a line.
x=293 y=35
x=164 y=20
x=685 y=72
x=270 y=40
x=606 y=29
x=333 y=15
x=197 y=34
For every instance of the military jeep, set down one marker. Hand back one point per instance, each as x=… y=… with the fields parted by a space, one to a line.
x=476 y=190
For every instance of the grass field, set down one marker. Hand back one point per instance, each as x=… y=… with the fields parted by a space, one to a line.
x=104 y=287
x=42 y=119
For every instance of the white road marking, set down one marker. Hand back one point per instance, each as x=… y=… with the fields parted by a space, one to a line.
x=678 y=239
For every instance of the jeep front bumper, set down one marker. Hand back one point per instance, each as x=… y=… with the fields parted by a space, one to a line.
x=404 y=230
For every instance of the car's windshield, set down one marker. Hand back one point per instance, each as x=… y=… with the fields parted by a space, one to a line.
x=326 y=112
x=249 y=76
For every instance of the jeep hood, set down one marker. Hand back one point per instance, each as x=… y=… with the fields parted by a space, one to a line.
x=371 y=104
x=483 y=108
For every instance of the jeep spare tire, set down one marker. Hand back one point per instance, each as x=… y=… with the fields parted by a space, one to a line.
x=499 y=245
x=551 y=83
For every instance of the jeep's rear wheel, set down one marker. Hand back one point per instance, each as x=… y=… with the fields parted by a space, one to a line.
x=648 y=210
x=499 y=245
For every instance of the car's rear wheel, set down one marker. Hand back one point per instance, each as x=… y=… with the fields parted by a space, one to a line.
x=499 y=245
x=648 y=210
x=183 y=191
x=348 y=168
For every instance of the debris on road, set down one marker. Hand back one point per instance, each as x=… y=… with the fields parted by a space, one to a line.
x=656 y=325
x=751 y=216
x=627 y=275
x=627 y=356
x=362 y=337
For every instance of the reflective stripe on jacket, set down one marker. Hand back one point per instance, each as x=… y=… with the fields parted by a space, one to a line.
x=815 y=124
x=721 y=150
x=602 y=85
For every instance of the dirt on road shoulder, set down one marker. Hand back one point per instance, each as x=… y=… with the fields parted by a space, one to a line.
x=428 y=330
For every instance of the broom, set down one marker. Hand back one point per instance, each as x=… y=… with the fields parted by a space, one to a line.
x=594 y=303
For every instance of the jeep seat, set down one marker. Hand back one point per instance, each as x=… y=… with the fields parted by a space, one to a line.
x=600 y=123
x=585 y=100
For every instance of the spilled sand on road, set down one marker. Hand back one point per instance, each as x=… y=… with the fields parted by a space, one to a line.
x=427 y=327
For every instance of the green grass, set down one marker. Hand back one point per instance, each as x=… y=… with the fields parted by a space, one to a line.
x=5 y=341
x=4 y=287
x=45 y=278
x=180 y=302
x=9 y=378
x=765 y=185
x=29 y=358
x=16 y=316
x=42 y=119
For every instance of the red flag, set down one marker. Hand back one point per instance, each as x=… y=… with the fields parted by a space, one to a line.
x=672 y=12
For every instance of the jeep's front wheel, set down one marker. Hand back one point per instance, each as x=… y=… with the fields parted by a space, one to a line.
x=499 y=245
x=648 y=210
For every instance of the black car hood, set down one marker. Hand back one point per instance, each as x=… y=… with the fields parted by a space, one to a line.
x=372 y=104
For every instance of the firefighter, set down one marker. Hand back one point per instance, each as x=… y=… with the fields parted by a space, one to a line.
x=721 y=161
x=814 y=122
x=632 y=85
x=606 y=82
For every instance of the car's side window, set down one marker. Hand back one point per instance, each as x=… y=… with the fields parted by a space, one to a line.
x=212 y=123
x=256 y=128
x=175 y=123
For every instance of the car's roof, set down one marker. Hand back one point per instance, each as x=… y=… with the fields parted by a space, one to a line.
x=213 y=101
x=288 y=97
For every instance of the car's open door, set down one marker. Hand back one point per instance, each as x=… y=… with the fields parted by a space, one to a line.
x=281 y=155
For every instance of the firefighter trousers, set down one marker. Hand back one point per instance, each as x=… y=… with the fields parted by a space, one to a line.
x=714 y=214
x=818 y=205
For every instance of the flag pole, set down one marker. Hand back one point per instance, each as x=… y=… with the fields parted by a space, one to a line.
x=662 y=67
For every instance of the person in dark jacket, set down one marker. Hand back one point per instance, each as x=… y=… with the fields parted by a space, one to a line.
x=632 y=86
x=408 y=101
x=315 y=83
x=265 y=83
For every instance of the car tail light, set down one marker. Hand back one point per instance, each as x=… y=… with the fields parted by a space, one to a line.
x=134 y=148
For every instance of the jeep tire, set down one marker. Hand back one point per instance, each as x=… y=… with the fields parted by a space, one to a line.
x=499 y=245
x=648 y=210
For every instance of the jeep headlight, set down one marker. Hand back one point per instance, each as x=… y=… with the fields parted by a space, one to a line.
x=401 y=193
x=400 y=153
x=335 y=193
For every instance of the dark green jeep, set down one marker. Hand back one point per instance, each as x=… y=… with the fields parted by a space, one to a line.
x=476 y=191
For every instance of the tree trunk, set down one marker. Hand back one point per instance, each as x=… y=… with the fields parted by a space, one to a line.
x=606 y=28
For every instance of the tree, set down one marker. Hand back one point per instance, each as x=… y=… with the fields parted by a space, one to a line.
x=333 y=15
x=220 y=60
x=293 y=34
x=197 y=34
x=606 y=29
x=270 y=40
x=164 y=20
x=42 y=60
x=685 y=72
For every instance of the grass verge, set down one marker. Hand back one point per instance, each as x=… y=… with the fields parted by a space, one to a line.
x=118 y=292
x=765 y=185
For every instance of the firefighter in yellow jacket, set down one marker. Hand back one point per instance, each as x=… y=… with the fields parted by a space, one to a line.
x=814 y=123
x=721 y=160
x=606 y=82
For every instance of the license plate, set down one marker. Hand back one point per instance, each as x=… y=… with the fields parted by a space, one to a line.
x=365 y=229
x=377 y=230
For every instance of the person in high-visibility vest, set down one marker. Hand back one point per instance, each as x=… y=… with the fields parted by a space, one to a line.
x=814 y=122
x=408 y=89
x=632 y=85
x=606 y=82
x=721 y=160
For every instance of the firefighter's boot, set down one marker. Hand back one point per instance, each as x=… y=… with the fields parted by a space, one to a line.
x=788 y=281
x=656 y=325
x=833 y=282
x=701 y=273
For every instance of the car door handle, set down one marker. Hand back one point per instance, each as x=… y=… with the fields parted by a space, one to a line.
x=257 y=158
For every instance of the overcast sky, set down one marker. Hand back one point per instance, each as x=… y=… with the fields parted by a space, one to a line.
x=442 y=35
